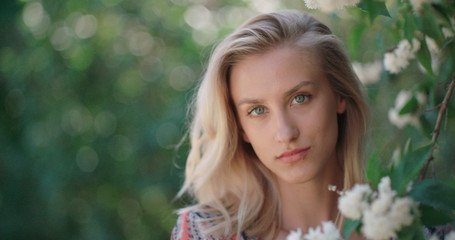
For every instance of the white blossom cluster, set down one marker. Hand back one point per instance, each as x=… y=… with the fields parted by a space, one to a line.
x=368 y=73
x=399 y=58
x=401 y=120
x=382 y=213
x=435 y=52
x=328 y=232
x=330 y=5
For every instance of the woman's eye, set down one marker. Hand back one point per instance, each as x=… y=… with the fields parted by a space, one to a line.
x=299 y=99
x=257 y=111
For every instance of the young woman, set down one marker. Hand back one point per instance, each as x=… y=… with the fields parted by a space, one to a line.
x=279 y=116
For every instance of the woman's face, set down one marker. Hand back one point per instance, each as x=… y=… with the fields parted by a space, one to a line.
x=288 y=113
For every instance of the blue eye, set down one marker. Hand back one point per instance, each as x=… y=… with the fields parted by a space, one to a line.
x=299 y=99
x=257 y=111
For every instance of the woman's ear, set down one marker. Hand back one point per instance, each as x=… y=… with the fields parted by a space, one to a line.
x=341 y=105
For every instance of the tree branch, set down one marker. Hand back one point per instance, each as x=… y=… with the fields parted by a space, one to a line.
x=437 y=127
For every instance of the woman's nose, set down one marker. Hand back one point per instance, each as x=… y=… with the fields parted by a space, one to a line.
x=286 y=130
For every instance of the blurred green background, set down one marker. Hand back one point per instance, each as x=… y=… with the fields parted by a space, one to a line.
x=93 y=101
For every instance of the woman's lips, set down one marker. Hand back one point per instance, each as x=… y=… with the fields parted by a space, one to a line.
x=294 y=155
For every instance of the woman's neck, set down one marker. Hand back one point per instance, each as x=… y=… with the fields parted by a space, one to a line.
x=308 y=204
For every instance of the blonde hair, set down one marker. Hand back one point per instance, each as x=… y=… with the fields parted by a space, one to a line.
x=235 y=192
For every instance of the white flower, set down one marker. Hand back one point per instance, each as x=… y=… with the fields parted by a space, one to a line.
x=314 y=234
x=377 y=227
x=354 y=202
x=382 y=204
x=400 y=212
x=295 y=235
x=384 y=186
x=384 y=201
x=330 y=231
x=397 y=60
x=450 y=236
x=391 y=62
x=435 y=53
x=404 y=119
x=368 y=73
x=415 y=45
x=330 y=5
x=386 y=214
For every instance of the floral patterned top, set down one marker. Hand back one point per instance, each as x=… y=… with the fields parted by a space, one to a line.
x=440 y=231
x=188 y=228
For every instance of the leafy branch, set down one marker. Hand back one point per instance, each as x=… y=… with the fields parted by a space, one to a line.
x=436 y=130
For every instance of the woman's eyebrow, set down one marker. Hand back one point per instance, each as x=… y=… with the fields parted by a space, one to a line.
x=248 y=101
x=298 y=86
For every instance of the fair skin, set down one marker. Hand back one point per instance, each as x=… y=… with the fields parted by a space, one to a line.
x=288 y=113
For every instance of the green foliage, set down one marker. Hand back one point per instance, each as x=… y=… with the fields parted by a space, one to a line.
x=350 y=226
x=374 y=169
x=434 y=193
x=433 y=217
x=414 y=231
x=424 y=57
x=409 y=167
x=374 y=8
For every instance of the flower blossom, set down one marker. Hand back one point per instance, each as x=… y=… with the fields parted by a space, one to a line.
x=314 y=234
x=329 y=232
x=295 y=235
x=368 y=73
x=330 y=5
x=399 y=58
x=401 y=120
x=435 y=53
x=382 y=213
x=355 y=201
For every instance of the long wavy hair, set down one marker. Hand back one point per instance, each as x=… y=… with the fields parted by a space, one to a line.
x=232 y=189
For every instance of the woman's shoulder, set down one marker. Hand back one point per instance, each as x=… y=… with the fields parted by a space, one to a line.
x=189 y=225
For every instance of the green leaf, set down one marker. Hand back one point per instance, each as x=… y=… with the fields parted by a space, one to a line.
x=349 y=226
x=434 y=193
x=432 y=217
x=440 y=11
x=407 y=147
x=429 y=25
x=409 y=167
x=374 y=8
x=413 y=231
x=410 y=107
x=409 y=26
x=354 y=39
x=447 y=67
x=373 y=169
x=426 y=127
x=424 y=57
